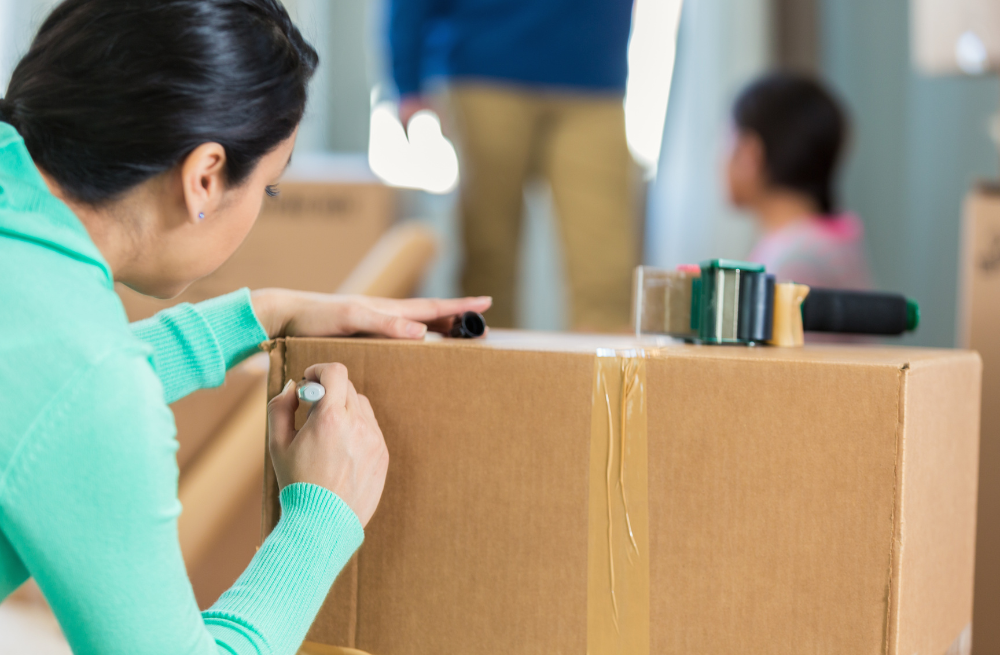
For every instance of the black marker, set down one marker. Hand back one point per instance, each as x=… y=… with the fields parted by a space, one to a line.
x=469 y=325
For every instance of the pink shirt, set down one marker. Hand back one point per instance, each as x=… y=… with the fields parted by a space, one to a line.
x=821 y=252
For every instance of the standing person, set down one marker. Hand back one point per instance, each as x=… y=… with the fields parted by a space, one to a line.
x=789 y=134
x=137 y=141
x=531 y=84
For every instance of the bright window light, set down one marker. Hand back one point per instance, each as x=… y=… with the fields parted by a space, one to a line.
x=651 y=52
x=971 y=54
x=426 y=160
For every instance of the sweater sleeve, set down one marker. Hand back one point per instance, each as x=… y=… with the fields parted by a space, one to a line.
x=407 y=26
x=194 y=345
x=93 y=512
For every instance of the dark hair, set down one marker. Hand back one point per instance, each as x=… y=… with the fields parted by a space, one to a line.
x=803 y=129
x=112 y=93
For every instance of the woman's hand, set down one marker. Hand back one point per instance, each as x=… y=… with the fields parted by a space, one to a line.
x=340 y=447
x=303 y=314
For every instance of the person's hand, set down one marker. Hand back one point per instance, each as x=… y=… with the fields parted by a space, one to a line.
x=410 y=105
x=303 y=314
x=340 y=447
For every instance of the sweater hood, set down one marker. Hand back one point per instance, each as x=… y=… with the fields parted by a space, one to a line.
x=29 y=211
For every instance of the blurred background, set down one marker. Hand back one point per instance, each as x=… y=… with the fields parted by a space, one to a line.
x=920 y=140
x=917 y=78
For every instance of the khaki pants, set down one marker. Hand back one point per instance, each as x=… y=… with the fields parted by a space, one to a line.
x=577 y=142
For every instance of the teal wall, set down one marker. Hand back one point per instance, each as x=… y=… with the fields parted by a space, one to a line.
x=919 y=144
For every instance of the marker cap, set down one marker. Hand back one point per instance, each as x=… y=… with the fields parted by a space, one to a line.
x=311 y=392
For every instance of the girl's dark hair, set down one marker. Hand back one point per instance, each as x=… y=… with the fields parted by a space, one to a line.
x=114 y=92
x=803 y=129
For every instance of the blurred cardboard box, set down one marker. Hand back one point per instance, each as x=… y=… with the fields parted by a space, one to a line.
x=979 y=329
x=201 y=415
x=310 y=238
x=751 y=500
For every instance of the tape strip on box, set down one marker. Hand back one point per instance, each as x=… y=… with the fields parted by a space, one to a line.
x=963 y=643
x=618 y=549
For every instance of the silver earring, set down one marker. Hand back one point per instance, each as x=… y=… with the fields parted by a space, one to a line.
x=201 y=216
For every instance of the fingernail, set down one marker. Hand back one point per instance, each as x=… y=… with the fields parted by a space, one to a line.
x=288 y=384
x=416 y=330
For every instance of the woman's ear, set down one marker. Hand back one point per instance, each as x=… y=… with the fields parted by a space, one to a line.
x=203 y=180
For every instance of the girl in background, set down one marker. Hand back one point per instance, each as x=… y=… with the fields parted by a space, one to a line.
x=789 y=133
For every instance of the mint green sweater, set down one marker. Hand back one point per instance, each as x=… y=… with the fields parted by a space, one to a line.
x=88 y=474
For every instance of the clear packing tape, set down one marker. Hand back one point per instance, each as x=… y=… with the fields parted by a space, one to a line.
x=618 y=549
x=963 y=643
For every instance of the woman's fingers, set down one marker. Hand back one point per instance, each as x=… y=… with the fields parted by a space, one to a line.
x=333 y=377
x=366 y=407
x=430 y=309
x=351 y=402
x=340 y=448
x=442 y=325
x=368 y=320
x=281 y=417
x=325 y=315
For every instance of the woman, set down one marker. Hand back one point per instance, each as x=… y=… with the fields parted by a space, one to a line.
x=136 y=144
x=789 y=134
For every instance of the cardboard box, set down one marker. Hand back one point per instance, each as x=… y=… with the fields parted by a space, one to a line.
x=754 y=500
x=310 y=238
x=979 y=329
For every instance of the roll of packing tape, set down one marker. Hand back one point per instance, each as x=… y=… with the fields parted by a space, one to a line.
x=788 y=298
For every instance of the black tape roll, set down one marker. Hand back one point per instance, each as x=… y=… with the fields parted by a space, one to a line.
x=855 y=312
x=756 y=306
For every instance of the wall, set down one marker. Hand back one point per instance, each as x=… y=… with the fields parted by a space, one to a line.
x=19 y=19
x=721 y=44
x=919 y=144
x=337 y=115
x=338 y=111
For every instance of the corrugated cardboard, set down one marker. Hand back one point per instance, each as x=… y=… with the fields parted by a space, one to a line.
x=815 y=500
x=309 y=238
x=979 y=329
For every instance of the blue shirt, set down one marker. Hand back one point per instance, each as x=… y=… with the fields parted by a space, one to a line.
x=570 y=44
